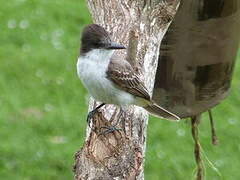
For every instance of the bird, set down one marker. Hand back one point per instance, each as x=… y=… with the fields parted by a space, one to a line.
x=110 y=78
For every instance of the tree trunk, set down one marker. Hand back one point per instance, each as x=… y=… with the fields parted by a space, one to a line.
x=120 y=155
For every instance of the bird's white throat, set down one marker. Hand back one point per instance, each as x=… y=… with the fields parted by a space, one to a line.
x=98 y=55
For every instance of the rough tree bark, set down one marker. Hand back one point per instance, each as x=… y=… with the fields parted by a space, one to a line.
x=120 y=155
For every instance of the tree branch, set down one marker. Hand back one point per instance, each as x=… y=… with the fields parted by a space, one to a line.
x=120 y=154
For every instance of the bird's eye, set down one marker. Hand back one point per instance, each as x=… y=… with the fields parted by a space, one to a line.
x=97 y=44
x=100 y=44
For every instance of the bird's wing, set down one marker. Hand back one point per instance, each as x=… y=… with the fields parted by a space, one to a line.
x=122 y=74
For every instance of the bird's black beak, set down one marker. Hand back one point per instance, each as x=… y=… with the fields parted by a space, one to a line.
x=114 y=45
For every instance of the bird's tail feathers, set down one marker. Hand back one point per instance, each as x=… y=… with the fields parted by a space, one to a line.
x=158 y=111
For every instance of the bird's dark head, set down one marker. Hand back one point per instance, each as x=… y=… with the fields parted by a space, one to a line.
x=96 y=37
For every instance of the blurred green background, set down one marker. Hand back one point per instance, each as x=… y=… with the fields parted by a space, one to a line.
x=43 y=104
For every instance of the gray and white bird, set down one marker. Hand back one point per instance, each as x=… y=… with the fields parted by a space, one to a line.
x=109 y=78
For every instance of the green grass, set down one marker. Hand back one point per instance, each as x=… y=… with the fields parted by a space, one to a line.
x=43 y=104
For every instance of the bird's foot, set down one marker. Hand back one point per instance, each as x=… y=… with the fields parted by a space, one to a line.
x=92 y=113
x=90 y=116
x=109 y=129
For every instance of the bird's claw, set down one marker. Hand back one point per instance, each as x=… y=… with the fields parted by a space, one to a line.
x=109 y=129
x=92 y=113
x=90 y=116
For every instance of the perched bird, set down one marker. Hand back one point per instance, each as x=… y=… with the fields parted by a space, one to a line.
x=110 y=78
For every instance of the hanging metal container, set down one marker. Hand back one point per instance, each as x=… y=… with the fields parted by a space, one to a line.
x=197 y=56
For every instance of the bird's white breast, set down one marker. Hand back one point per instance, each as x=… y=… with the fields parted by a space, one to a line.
x=92 y=69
